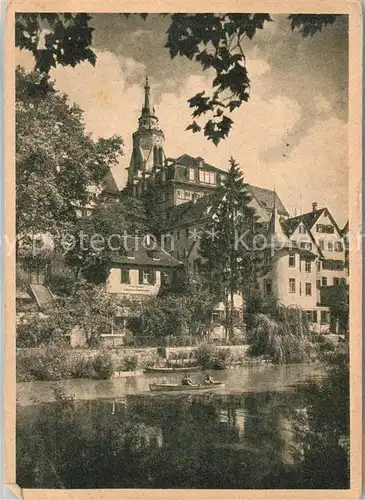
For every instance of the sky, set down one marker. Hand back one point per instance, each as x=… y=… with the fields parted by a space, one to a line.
x=291 y=135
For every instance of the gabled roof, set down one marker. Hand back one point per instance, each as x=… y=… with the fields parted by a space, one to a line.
x=267 y=199
x=137 y=253
x=308 y=219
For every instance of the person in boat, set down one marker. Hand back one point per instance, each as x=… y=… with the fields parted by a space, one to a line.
x=187 y=380
x=208 y=379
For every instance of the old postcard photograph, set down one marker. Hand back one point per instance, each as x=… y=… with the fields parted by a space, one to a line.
x=183 y=250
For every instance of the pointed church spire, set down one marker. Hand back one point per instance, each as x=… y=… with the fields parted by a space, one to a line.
x=147 y=89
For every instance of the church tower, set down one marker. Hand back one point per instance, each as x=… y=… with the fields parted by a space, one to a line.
x=148 y=144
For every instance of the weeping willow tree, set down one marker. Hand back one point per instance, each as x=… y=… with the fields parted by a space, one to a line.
x=282 y=336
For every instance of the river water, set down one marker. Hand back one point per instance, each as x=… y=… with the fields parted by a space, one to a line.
x=254 y=378
x=266 y=429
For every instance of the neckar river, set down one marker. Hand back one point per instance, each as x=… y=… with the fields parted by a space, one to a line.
x=271 y=427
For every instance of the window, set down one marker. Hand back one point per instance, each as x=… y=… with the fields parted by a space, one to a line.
x=217 y=316
x=330 y=246
x=124 y=275
x=291 y=285
x=312 y=316
x=206 y=177
x=324 y=281
x=308 y=266
x=319 y=265
x=321 y=244
x=333 y=265
x=322 y=228
x=147 y=277
x=291 y=260
x=212 y=179
x=201 y=175
x=301 y=229
x=191 y=174
x=308 y=289
x=318 y=284
x=324 y=317
x=180 y=194
x=338 y=246
x=268 y=287
x=188 y=195
x=336 y=281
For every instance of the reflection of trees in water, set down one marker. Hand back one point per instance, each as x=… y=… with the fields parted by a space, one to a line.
x=265 y=440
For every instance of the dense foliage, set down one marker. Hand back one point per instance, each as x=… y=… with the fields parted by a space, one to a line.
x=56 y=161
x=88 y=308
x=282 y=335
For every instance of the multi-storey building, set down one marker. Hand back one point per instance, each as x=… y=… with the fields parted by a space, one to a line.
x=305 y=254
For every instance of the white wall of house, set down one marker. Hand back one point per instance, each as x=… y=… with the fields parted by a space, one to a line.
x=114 y=283
x=301 y=291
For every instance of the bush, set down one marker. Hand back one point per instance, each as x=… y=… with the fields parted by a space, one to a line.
x=129 y=364
x=82 y=368
x=213 y=358
x=39 y=332
x=103 y=366
x=49 y=364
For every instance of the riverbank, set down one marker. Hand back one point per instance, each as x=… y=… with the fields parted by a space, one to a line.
x=58 y=363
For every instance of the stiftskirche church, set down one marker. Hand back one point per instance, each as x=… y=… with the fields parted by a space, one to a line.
x=307 y=254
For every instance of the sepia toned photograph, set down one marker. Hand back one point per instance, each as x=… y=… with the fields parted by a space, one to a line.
x=182 y=251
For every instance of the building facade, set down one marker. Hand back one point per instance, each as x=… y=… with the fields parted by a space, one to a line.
x=305 y=254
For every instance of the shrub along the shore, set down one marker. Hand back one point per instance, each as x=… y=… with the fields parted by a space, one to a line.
x=55 y=363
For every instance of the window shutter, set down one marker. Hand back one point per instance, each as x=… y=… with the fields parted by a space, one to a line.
x=140 y=273
x=152 y=278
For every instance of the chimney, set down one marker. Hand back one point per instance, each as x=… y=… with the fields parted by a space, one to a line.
x=314 y=206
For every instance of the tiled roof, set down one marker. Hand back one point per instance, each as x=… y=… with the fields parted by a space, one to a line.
x=137 y=253
x=191 y=162
x=193 y=213
x=265 y=198
x=190 y=212
x=309 y=219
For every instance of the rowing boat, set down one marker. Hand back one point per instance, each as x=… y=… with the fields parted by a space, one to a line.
x=180 y=387
x=168 y=369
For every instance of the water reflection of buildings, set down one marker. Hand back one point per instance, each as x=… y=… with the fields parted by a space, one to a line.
x=152 y=434
x=250 y=423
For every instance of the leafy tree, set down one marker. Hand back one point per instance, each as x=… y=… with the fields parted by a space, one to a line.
x=228 y=256
x=96 y=237
x=215 y=41
x=88 y=307
x=153 y=204
x=56 y=161
x=172 y=315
